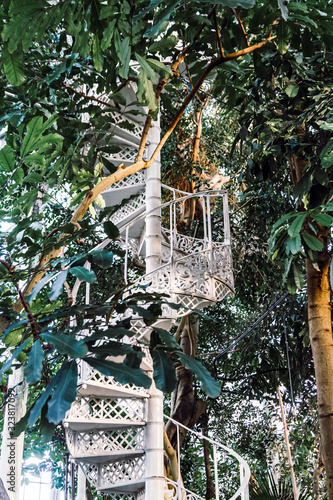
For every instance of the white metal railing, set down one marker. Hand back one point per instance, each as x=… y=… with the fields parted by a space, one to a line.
x=244 y=470
x=180 y=241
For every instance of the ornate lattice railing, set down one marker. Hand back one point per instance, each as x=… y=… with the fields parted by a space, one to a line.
x=194 y=272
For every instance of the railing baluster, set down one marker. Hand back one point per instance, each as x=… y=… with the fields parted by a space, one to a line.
x=217 y=493
x=242 y=491
x=204 y=218
x=126 y=256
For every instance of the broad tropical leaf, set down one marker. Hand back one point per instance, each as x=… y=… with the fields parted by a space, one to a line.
x=66 y=344
x=164 y=371
x=209 y=385
x=33 y=370
x=64 y=393
x=120 y=372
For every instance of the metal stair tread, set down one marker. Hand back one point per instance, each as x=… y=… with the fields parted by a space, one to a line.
x=100 y=389
x=100 y=424
x=117 y=195
x=108 y=456
x=123 y=487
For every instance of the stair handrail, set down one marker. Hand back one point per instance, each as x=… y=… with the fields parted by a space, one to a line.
x=245 y=473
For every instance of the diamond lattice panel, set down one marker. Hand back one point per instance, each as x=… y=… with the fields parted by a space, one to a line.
x=101 y=442
x=131 y=207
x=107 y=410
x=125 y=470
x=91 y=472
x=131 y=180
x=89 y=374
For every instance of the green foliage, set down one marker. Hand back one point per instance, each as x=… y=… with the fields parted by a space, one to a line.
x=33 y=369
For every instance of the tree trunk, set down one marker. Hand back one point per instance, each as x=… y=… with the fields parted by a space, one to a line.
x=320 y=329
x=210 y=490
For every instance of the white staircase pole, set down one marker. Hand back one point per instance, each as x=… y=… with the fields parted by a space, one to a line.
x=154 y=428
x=81 y=485
x=11 y=447
x=153 y=199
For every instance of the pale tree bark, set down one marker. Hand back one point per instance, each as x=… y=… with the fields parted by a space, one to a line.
x=320 y=329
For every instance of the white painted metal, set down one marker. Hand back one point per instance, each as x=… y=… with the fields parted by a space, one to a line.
x=12 y=448
x=115 y=432
x=244 y=470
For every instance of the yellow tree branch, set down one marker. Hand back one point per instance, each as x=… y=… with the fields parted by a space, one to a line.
x=174 y=67
x=219 y=41
x=241 y=25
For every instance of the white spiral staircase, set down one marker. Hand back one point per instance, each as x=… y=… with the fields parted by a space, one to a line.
x=114 y=431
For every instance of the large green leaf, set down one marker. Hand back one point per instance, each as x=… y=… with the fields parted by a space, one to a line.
x=83 y=274
x=66 y=344
x=36 y=289
x=111 y=230
x=120 y=372
x=124 y=55
x=33 y=370
x=112 y=348
x=168 y=338
x=7 y=158
x=42 y=400
x=145 y=67
x=282 y=37
x=10 y=361
x=312 y=242
x=57 y=285
x=97 y=53
x=34 y=130
x=13 y=66
x=209 y=385
x=164 y=371
x=64 y=393
x=296 y=226
x=103 y=258
x=323 y=219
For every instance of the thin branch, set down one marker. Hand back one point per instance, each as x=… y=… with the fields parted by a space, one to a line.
x=164 y=81
x=33 y=324
x=241 y=25
x=219 y=41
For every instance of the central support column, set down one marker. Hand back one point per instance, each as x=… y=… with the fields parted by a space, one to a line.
x=12 y=447
x=154 y=428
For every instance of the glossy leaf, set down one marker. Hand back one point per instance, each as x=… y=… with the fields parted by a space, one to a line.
x=168 y=338
x=13 y=66
x=7 y=159
x=35 y=411
x=7 y=365
x=323 y=219
x=57 y=285
x=296 y=226
x=164 y=371
x=37 y=288
x=312 y=242
x=66 y=344
x=282 y=37
x=111 y=230
x=103 y=258
x=33 y=370
x=64 y=393
x=209 y=385
x=83 y=274
x=120 y=372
